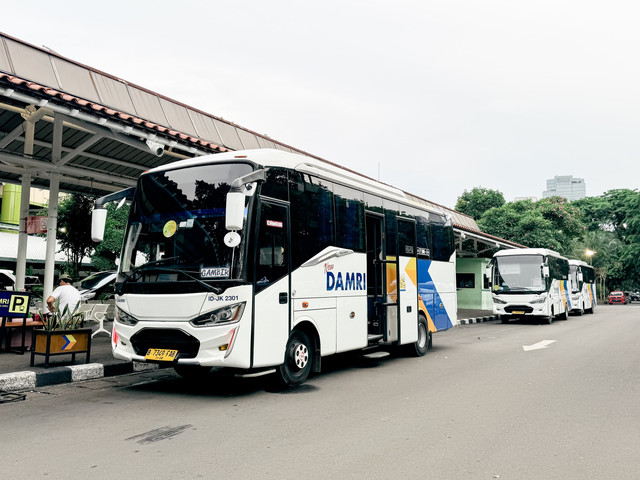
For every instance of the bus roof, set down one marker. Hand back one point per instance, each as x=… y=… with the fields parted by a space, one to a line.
x=528 y=251
x=582 y=263
x=267 y=157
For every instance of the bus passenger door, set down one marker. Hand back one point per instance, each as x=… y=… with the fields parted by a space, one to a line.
x=407 y=282
x=376 y=284
x=271 y=320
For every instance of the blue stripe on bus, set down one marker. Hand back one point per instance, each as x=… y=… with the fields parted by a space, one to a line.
x=431 y=298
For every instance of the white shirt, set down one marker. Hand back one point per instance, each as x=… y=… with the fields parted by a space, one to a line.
x=68 y=295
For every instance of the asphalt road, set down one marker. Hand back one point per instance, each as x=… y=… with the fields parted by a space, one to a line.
x=478 y=406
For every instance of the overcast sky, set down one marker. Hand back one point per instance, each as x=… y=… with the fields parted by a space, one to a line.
x=434 y=97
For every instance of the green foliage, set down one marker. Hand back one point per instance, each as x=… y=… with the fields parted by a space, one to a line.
x=64 y=320
x=74 y=230
x=549 y=223
x=611 y=212
x=107 y=251
x=476 y=202
x=74 y=225
x=608 y=225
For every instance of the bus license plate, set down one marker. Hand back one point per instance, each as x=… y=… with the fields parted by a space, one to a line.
x=161 y=355
x=517 y=313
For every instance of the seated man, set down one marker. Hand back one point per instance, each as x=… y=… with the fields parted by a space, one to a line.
x=67 y=293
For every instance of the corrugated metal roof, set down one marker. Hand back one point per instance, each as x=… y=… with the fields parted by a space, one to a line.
x=56 y=76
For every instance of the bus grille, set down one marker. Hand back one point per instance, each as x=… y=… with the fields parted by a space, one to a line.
x=518 y=308
x=170 y=339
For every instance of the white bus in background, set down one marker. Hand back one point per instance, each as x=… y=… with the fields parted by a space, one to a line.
x=267 y=261
x=583 y=287
x=530 y=283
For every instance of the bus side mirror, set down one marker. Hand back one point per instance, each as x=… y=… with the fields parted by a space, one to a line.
x=240 y=188
x=234 y=217
x=98 y=221
x=545 y=270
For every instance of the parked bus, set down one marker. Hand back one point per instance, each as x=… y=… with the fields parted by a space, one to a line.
x=530 y=282
x=265 y=261
x=583 y=287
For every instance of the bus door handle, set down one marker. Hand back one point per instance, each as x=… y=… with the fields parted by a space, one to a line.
x=283 y=298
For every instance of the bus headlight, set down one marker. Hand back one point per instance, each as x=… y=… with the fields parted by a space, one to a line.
x=538 y=300
x=221 y=316
x=124 y=318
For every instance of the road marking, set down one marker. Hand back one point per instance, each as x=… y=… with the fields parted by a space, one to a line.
x=538 y=346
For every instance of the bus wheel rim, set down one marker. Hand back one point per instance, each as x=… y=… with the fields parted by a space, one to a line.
x=300 y=356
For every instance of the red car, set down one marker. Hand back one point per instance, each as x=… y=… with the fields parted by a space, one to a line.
x=618 y=297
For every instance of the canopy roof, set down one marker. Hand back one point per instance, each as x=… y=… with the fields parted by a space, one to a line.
x=99 y=132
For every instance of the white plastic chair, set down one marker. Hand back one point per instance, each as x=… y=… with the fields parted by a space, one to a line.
x=99 y=314
x=85 y=310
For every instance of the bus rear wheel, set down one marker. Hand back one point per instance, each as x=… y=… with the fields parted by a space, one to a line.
x=298 y=360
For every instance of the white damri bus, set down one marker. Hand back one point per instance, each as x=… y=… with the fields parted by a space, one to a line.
x=583 y=287
x=268 y=261
x=530 y=283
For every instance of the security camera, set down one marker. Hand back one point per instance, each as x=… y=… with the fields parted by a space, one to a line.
x=156 y=148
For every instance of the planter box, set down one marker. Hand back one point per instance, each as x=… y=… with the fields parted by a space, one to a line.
x=60 y=342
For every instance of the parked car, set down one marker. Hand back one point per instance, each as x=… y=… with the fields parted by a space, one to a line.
x=97 y=286
x=32 y=284
x=618 y=297
x=7 y=280
x=635 y=296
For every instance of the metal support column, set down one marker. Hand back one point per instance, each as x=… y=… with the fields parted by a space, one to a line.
x=31 y=116
x=21 y=260
x=52 y=222
x=52 y=227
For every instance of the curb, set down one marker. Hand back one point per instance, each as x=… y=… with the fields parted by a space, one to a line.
x=28 y=380
x=469 y=321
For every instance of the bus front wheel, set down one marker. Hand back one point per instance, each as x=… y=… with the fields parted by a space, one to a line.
x=298 y=360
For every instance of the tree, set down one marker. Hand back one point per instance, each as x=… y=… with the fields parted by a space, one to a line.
x=476 y=202
x=74 y=230
x=617 y=212
x=607 y=259
x=549 y=223
x=608 y=211
x=107 y=251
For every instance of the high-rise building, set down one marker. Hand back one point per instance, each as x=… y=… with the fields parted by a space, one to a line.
x=566 y=186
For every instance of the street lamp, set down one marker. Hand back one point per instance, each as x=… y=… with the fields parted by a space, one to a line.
x=589 y=253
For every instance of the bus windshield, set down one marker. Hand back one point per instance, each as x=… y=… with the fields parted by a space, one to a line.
x=519 y=274
x=176 y=230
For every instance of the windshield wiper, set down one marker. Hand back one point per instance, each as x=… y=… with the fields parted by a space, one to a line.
x=153 y=265
x=196 y=279
x=129 y=275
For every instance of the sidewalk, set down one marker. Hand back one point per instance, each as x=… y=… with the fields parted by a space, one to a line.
x=17 y=375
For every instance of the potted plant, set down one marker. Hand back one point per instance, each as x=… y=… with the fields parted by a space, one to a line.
x=62 y=334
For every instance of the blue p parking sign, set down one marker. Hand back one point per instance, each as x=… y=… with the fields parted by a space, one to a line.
x=14 y=304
